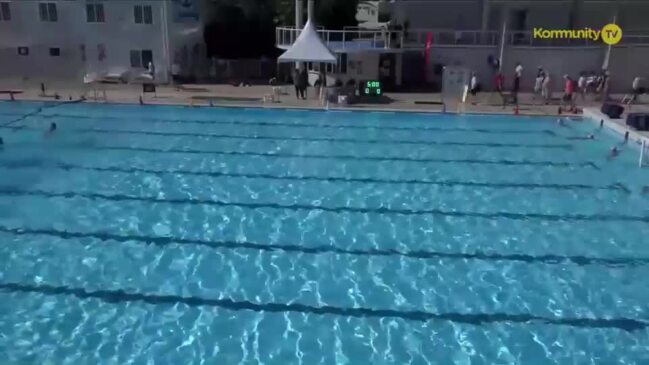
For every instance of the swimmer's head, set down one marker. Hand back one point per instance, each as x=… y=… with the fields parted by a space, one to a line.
x=591 y=136
x=52 y=126
x=1 y=141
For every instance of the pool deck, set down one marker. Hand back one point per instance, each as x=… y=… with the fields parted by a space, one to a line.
x=228 y=95
x=619 y=125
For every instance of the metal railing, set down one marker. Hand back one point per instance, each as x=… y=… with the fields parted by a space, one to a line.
x=416 y=38
x=338 y=39
x=359 y=39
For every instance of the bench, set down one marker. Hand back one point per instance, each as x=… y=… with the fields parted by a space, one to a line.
x=11 y=93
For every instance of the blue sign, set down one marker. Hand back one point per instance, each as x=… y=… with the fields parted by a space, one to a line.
x=185 y=10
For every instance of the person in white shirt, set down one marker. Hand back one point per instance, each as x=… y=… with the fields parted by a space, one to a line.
x=581 y=85
x=538 y=82
x=473 y=86
x=636 y=90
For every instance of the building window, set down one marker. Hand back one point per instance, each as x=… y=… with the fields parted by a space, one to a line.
x=141 y=58
x=55 y=51
x=5 y=11
x=342 y=63
x=95 y=13
x=143 y=14
x=48 y=12
x=23 y=51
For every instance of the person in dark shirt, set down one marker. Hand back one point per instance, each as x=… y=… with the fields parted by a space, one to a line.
x=304 y=83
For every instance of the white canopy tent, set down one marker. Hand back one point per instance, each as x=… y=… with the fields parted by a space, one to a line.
x=308 y=47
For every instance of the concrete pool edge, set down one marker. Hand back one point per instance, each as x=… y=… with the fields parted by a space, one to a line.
x=617 y=126
x=301 y=108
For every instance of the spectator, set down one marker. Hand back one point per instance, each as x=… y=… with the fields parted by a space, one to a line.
x=473 y=87
x=297 y=83
x=568 y=93
x=546 y=91
x=538 y=82
x=304 y=82
x=581 y=85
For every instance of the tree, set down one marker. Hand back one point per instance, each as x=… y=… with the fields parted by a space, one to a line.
x=331 y=14
x=242 y=29
x=284 y=12
x=336 y=14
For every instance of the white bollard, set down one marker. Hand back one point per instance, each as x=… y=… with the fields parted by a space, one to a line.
x=642 y=149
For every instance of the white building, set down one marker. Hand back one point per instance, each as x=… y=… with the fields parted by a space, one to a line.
x=469 y=32
x=66 y=39
x=521 y=14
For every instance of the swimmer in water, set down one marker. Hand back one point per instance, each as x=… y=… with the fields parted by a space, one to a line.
x=614 y=152
x=590 y=136
x=2 y=143
x=51 y=130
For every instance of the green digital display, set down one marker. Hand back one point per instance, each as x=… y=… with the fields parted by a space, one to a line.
x=371 y=88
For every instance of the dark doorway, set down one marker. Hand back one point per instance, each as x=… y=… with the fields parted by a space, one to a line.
x=147 y=56
x=518 y=23
x=387 y=74
x=519 y=19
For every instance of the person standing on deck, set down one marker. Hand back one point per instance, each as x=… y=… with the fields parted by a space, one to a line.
x=581 y=85
x=296 y=82
x=569 y=91
x=538 y=82
x=474 y=87
x=546 y=91
x=304 y=83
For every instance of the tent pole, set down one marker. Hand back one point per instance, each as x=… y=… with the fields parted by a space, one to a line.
x=299 y=22
x=310 y=10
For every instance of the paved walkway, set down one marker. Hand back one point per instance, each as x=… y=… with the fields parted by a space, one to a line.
x=250 y=96
x=228 y=95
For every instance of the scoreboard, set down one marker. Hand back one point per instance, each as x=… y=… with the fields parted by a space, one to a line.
x=371 y=88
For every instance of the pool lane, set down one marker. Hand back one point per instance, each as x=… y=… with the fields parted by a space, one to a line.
x=476 y=287
x=479 y=319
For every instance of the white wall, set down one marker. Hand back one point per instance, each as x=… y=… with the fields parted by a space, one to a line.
x=119 y=34
x=467 y=14
x=441 y=14
x=557 y=61
x=539 y=14
x=474 y=59
x=632 y=14
x=368 y=68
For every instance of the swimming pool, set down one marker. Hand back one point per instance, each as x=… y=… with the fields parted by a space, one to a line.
x=174 y=235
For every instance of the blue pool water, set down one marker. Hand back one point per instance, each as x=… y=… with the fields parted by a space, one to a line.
x=170 y=235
